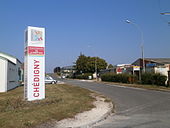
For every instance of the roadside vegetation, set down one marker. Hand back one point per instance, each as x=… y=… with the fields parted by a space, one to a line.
x=153 y=81
x=146 y=78
x=122 y=78
x=62 y=101
x=83 y=76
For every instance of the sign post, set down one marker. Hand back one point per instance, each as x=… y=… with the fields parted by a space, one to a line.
x=34 y=64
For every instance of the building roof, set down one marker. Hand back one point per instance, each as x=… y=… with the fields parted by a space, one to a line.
x=68 y=68
x=155 y=60
x=3 y=58
x=159 y=60
x=9 y=57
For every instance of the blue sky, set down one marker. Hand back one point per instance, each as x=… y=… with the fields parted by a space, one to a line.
x=93 y=27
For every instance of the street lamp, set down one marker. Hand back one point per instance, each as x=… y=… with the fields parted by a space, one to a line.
x=165 y=13
x=142 y=41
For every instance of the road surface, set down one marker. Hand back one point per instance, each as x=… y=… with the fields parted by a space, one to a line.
x=135 y=108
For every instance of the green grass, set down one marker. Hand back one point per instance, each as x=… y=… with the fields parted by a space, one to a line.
x=62 y=101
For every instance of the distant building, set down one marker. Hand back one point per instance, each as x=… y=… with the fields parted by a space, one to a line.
x=109 y=70
x=118 y=69
x=152 y=61
x=155 y=65
x=122 y=68
x=68 y=70
x=10 y=72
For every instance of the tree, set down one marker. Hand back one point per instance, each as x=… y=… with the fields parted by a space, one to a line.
x=57 y=70
x=110 y=66
x=86 y=64
x=81 y=64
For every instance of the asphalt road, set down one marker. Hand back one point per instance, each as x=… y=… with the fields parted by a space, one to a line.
x=135 y=108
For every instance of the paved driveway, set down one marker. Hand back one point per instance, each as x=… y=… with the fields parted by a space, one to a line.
x=135 y=108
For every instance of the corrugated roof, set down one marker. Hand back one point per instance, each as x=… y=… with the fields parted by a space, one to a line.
x=159 y=60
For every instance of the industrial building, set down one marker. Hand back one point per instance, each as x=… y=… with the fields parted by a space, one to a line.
x=10 y=72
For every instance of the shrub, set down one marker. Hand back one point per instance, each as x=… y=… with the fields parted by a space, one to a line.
x=146 y=78
x=84 y=76
x=153 y=78
x=123 y=78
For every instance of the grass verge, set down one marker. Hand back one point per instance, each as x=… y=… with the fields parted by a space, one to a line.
x=62 y=101
x=150 y=87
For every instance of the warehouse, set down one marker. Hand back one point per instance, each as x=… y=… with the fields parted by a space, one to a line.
x=10 y=72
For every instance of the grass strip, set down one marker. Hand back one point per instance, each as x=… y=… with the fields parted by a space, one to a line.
x=150 y=87
x=62 y=101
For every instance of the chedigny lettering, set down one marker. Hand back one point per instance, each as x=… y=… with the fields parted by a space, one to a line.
x=36 y=79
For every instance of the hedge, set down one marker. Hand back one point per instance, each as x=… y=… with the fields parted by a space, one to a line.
x=153 y=79
x=146 y=78
x=123 y=78
x=83 y=76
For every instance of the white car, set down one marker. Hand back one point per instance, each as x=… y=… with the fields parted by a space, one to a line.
x=63 y=77
x=50 y=80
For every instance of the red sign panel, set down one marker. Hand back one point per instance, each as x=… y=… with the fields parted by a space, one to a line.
x=35 y=51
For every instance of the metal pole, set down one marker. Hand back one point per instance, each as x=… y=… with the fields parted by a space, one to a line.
x=142 y=41
x=143 y=60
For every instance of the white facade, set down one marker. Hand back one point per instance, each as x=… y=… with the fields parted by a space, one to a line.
x=10 y=72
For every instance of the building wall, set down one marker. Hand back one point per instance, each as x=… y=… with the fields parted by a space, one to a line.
x=159 y=69
x=3 y=75
x=13 y=77
x=162 y=70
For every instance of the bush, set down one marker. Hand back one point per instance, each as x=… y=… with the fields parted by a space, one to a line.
x=108 y=77
x=146 y=78
x=153 y=78
x=123 y=78
x=83 y=76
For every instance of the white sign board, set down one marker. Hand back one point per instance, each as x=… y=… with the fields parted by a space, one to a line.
x=34 y=68
x=136 y=68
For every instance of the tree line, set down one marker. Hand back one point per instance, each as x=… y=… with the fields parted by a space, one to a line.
x=87 y=64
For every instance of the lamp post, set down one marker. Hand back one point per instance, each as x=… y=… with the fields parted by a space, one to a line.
x=142 y=40
x=166 y=13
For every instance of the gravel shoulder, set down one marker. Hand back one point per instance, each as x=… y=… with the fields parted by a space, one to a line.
x=88 y=118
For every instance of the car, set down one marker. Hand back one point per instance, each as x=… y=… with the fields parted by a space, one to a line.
x=63 y=77
x=50 y=80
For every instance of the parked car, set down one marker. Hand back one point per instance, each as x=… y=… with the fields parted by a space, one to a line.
x=50 y=80
x=63 y=77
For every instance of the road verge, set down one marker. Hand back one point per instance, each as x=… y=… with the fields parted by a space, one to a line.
x=103 y=108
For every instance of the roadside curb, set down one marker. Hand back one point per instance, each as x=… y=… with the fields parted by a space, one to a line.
x=99 y=120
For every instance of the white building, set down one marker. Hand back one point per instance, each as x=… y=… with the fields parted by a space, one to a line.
x=10 y=72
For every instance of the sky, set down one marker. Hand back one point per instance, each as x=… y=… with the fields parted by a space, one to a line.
x=91 y=27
